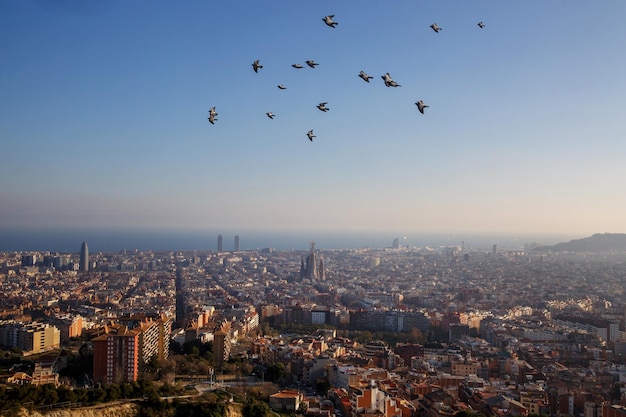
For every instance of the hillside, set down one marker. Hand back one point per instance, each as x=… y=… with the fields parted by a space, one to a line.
x=103 y=410
x=600 y=242
x=111 y=410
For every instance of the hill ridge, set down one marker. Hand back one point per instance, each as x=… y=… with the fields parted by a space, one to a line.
x=598 y=242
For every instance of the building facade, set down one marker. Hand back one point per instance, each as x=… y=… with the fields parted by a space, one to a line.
x=84 y=258
x=31 y=338
x=116 y=356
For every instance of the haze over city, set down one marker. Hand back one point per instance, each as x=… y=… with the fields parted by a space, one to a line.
x=104 y=106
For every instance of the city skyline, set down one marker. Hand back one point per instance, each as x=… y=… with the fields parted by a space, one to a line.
x=104 y=118
x=67 y=241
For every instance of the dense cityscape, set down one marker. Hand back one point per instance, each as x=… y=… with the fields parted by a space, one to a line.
x=312 y=209
x=396 y=331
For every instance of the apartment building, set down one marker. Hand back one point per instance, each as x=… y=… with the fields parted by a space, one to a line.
x=31 y=338
x=116 y=356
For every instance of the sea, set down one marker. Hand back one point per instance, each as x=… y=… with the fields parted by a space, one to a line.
x=113 y=240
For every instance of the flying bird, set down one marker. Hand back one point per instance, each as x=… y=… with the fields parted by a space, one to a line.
x=389 y=82
x=212 y=119
x=435 y=27
x=297 y=66
x=481 y=24
x=365 y=77
x=329 y=21
x=256 y=66
x=310 y=135
x=270 y=114
x=212 y=112
x=282 y=87
x=421 y=106
x=322 y=106
x=311 y=63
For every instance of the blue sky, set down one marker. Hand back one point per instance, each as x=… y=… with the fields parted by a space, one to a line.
x=104 y=105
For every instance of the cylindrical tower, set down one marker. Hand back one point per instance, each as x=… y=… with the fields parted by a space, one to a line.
x=84 y=258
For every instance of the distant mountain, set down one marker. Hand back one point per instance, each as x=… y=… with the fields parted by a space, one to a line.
x=600 y=242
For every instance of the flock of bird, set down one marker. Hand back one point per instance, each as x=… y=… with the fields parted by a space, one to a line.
x=389 y=82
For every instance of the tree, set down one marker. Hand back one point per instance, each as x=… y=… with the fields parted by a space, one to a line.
x=82 y=395
x=97 y=395
x=255 y=409
x=148 y=389
x=362 y=336
x=48 y=394
x=204 y=408
x=275 y=372
x=126 y=390
x=168 y=390
x=113 y=392
x=66 y=394
x=202 y=348
x=416 y=336
x=256 y=393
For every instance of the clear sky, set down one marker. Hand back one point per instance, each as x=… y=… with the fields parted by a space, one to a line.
x=104 y=106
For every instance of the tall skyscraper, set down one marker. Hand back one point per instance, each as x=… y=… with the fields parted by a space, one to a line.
x=84 y=258
x=219 y=243
x=309 y=268
x=29 y=260
x=312 y=263
x=236 y=243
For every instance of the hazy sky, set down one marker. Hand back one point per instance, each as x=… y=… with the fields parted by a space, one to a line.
x=104 y=105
